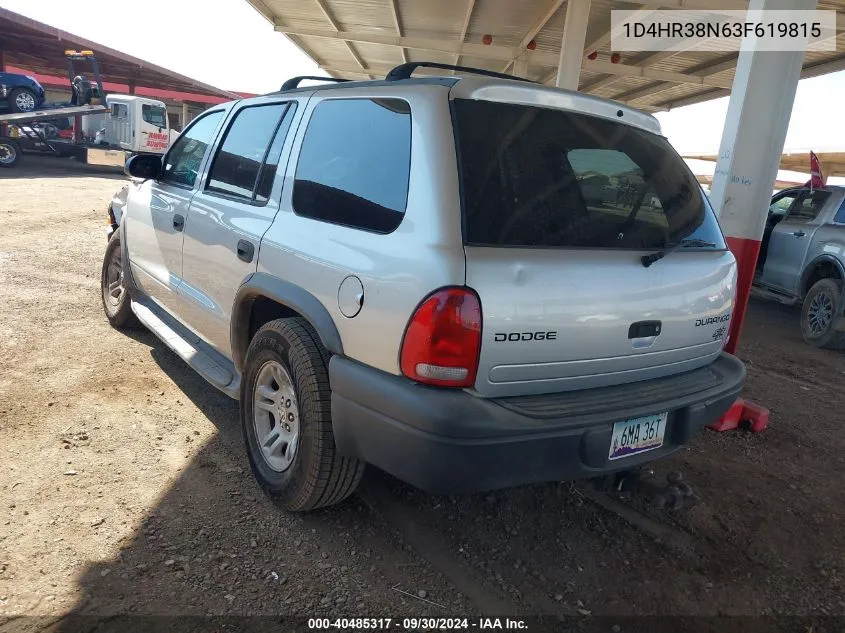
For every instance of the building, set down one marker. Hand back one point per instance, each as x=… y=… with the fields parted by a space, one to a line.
x=37 y=49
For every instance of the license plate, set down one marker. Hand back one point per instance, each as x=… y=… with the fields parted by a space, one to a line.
x=637 y=435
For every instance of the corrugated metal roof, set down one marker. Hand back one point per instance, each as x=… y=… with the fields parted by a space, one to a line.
x=360 y=38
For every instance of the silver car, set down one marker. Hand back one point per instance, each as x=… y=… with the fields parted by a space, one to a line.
x=802 y=260
x=470 y=282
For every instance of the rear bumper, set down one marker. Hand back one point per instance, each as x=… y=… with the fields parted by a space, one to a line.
x=449 y=441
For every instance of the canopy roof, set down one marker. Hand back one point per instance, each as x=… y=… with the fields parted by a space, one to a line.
x=361 y=38
x=832 y=162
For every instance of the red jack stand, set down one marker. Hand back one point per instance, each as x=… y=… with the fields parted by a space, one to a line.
x=743 y=411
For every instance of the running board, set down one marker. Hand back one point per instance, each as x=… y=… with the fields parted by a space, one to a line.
x=764 y=293
x=208 y=363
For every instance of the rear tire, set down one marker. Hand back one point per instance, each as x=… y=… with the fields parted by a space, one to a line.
x=22 y=100
x=116 y=301
x=286 y=419
x=822 y=313
x=10 y=153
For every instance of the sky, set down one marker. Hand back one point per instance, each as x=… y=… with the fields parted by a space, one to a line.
x=228 y=44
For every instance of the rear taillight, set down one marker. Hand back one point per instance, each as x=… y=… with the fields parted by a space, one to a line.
x=443 y=339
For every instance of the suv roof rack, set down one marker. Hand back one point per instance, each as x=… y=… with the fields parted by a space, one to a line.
x=403 y=71
x=293 y=82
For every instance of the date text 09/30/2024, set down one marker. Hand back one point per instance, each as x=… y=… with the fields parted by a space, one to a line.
x=416 y=624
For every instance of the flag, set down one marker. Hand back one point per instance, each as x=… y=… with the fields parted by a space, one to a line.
x=817 y=178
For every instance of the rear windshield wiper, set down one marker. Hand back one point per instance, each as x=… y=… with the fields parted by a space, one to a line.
x=649 y=259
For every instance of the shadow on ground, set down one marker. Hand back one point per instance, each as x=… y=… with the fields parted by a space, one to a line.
x=47 y=167
x=215 y=546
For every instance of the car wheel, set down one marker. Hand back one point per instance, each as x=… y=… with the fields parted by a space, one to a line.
x=822 y=314
x=10 y=153
x=22 y=100
x=116 y=301
x=285 y=409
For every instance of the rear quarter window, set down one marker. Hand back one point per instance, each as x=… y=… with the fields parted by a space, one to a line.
x=839 y=218
x=538 y=177
x=354 y=164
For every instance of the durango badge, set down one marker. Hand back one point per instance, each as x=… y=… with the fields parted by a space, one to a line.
x=711 y=320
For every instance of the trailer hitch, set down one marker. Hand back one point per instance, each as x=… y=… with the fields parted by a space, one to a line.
x=669 y=493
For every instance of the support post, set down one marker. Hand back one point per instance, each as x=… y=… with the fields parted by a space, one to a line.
x=572 y=44
x=520 y=68
x=131 y=87
x=184 y=119
x=749 y=155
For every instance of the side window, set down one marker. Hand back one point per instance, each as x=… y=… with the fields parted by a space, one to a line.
x=119 y=110
x=182 y=163
x=839 y=218
x=246 y=161
x=156 y=115
x=271 y=163
x=355 y=162
x=809 y=206
x=780 y=207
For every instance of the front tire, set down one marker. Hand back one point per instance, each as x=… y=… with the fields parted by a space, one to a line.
x=10 y=153
x=116 y=301
x=286 y=419
x=822 y=313
x=22 y=100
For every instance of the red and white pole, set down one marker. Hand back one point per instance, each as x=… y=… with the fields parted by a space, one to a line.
x=760 y=105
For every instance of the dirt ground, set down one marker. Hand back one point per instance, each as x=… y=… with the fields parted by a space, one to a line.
x=124 y=487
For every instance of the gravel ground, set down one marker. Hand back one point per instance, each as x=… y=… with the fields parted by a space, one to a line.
x=124 y=487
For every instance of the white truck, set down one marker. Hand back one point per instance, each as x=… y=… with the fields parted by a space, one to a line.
x=123 y=126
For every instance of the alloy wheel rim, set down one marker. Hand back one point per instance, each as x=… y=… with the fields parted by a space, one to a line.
x=276 y=416
x=820 y=313
x=25 y=102
x=7 y=154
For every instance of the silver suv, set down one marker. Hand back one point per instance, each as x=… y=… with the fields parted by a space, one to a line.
x=469 y=282
x=802 y=259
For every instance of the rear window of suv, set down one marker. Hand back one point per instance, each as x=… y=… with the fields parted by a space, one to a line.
x=537 y=177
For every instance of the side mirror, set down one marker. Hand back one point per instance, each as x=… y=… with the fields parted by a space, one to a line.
x=143 y=166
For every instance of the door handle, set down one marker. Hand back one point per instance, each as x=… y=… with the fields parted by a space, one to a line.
x=178 y=222
x=246 y=250
x=799 y=233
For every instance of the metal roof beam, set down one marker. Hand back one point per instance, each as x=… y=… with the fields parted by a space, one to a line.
x=465 y=27
x=702 y=96
x=654 y=58
x=397 y=22
x=336 y=27
x=605 y=37
x=709 y=5
x=815 y=70
x=504 y=53
x=380 y=69
x=726 y=62
x=598 y=84
x=639 y=93
x=641 y=13
x=420 y=43
x=539 y=24
x=652 y=73
x=536 y=28
x=629 y=71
